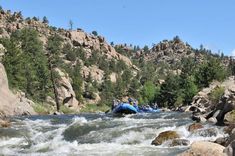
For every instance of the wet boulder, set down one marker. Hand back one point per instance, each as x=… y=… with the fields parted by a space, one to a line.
x=199 y=118
x=212 y=120
x=222 y=141
x=210 y=132
x=165 y=136
x=5 y=123
x=180 y=142
x=229 y=128
x=231 y=138
x=229 y=149
x=201 y=148
x=195 y=126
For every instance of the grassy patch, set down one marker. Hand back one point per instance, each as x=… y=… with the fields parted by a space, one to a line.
x=67 y=110
x=95 y=108
x=42 y=109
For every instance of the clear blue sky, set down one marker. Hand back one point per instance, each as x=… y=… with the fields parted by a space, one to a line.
x=141 y=22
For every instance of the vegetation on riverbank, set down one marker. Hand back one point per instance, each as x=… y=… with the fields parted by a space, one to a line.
x=36 y=55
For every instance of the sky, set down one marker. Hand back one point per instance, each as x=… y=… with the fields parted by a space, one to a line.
x=141 y=22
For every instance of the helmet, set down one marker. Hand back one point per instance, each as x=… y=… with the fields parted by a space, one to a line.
x=130 y=100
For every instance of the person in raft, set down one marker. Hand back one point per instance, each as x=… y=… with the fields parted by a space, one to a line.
x=115 y=103
x=133 y=102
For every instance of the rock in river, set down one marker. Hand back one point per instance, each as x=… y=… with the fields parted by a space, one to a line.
x=204 y=148
x=164 y=136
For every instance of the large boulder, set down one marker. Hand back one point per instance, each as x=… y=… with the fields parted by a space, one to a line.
x=165 y=136
x=230 y=148
x=204 y=148
x=65 y=91
x=226 y=104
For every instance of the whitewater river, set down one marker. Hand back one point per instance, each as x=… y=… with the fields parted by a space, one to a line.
x=95 y=134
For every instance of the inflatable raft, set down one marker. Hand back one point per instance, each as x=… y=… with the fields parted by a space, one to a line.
x=126 y=108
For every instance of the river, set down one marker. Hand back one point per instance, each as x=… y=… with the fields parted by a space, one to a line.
x=95 y=134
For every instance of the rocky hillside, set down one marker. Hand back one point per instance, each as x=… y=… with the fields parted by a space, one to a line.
x=73 y=69
x=170 y=52
x=75 y=39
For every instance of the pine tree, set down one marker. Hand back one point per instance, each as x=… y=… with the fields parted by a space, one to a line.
x=54 y=50
x=45 y=20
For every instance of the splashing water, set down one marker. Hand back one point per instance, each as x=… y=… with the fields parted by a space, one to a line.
x=95 y=134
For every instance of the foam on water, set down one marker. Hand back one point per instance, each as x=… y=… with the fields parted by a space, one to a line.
x=100 y=135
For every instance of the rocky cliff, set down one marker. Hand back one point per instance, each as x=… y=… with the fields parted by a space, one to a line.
x=12 y=104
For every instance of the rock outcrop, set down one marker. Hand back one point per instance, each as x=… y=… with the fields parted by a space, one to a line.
x=65 y=91
x=11 y=104
x=169 y=52
x=203 y=108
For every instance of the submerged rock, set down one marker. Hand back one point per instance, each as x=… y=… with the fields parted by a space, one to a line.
x=204 y=148
x=164 y=136
x=5 y=123
x=180 y=142
x=199 y=118
x=206 y=132
x=195 y=126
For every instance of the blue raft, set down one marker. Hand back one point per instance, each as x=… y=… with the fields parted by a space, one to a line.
x=126 y=108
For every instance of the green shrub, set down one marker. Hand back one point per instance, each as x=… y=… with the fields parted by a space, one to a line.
x=95 y=108
x=67 y=110
x=42 y=109
x=71 y=55
x=1 y=30
x=216 y=94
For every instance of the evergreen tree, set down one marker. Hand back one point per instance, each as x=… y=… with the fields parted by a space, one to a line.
x=70 y=25
x=94 y=33
x=30 y=73
x=170 y=90
x=54 y=50
x=146 y=48
x=45 y=20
